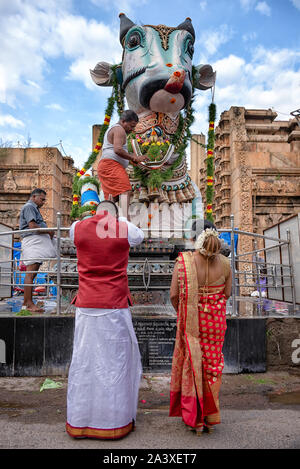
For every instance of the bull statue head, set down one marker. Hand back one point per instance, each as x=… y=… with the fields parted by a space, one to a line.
x=157 y=67
x=157 y=77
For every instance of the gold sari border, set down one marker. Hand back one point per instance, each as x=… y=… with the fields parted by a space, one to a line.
x=103 y=434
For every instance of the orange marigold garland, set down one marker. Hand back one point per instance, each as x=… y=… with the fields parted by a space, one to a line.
x=210 y=162
x=116 y=97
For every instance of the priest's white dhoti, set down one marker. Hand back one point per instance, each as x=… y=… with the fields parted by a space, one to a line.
x=104 y=375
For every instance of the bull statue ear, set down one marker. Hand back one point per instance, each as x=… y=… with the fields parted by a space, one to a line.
x=102 y=74
x=204 y=77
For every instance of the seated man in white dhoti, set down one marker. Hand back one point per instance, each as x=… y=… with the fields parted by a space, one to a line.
x=105 y=370
x=35 y=245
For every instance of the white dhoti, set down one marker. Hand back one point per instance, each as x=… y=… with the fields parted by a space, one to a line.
x=35 y=248
x=104 y=375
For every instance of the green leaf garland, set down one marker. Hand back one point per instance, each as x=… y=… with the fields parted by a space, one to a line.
x=156 y=177
x=116 y=97
x=210 y=162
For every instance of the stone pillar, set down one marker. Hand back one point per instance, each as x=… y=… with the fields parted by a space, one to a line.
x=241 y=190
x=294 y=137
x=198 y=166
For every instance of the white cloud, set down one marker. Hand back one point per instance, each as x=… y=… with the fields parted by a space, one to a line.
x=203 y=5
x=124 y=6
x=33 y=32
x=271 y=79
x=249 y=36
x=86 y=43
x=296 y=3
x=10 y=121
x=54 y=107
x=210 y=41
x=247 y=4
x=229 y=69
x=263 y=8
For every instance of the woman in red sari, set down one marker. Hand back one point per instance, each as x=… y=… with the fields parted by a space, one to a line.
x=201 y=284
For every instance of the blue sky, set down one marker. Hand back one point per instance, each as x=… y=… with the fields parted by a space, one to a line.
x=47 y=48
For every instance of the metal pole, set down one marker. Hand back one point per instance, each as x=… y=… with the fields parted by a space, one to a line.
x=288 y=235
x=234 y=309
x=48 y=288
x=258 y=279
x=58 y=279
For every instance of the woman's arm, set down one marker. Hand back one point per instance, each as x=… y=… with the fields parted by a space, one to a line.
x=174 y=289
x=228 y=285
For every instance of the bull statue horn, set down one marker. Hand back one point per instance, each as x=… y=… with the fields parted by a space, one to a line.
x=125 y=25
x=187 y=26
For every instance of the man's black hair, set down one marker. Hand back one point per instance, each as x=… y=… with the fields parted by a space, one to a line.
x=38 y=191
x=199 y=225
x=129 y=116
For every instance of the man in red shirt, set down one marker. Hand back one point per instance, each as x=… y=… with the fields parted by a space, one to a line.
x=106 y=367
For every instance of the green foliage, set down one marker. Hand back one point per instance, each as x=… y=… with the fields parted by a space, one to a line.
x=24 y=312
x=210 y=160
x=118 y=98
x=86 y=208
x=180 y=139
x=87 y=180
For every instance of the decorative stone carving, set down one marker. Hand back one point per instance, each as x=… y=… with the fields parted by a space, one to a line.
x=35 y=180
x=10 y=184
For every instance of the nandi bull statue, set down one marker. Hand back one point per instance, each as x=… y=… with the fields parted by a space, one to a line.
x=158 y=79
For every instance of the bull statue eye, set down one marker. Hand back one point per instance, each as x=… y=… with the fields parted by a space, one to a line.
x=189 y=47
x=134 y=40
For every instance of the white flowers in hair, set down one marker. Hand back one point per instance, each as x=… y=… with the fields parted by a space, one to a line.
x=201 y=239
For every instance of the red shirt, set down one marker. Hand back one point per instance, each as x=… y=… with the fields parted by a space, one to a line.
x=102 y=253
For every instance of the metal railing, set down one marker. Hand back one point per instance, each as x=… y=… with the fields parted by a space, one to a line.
x=242 y=278
x=248 y=273
x=12 y=271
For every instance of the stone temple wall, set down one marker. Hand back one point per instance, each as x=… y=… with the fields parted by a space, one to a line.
x=257 y=172
x=22 y=170
x=257 y=169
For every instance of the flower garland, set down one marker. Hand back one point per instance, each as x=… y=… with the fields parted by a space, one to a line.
x=180 y=140
x=202 y=237
x=116 y=97
x=210 y=162
x=156 y=177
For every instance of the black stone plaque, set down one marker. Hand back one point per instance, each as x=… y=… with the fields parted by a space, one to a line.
x=156 y=338
x=29 y=346
x=7 y=344
x=252 y=345
x=231 y=346
x=59 y=332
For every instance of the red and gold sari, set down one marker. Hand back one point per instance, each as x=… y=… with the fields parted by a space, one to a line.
x=198 y=361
